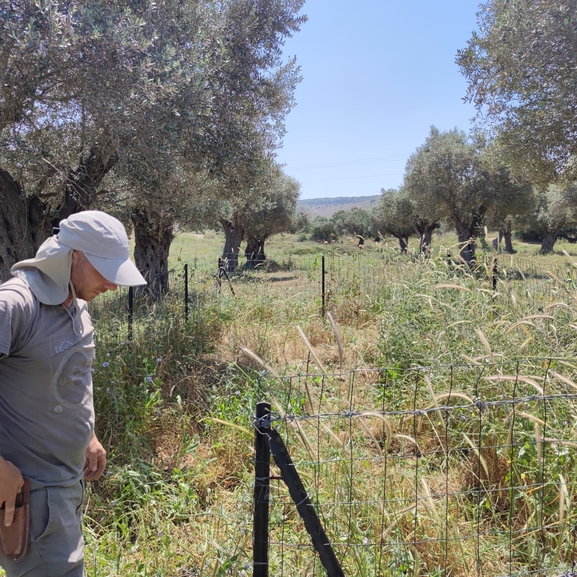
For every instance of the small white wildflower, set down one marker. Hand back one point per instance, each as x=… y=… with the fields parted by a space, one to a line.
x=159 y=360
x=105 y=364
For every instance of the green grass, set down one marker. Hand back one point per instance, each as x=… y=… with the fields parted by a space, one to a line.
x=175 y=409
x=178 y=497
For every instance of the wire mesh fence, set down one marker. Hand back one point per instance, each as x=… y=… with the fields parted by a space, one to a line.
x=535 y=277
x=353 y=282
x=447 y=470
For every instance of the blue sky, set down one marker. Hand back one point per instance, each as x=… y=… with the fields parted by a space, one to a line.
x=376 y=75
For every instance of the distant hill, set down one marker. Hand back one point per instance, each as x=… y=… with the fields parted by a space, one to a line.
x=328 y=206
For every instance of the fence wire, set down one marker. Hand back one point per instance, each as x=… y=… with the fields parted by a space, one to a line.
x=345 y=283
x=448 y=470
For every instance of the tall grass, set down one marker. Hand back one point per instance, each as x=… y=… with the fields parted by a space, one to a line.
x=398 y=493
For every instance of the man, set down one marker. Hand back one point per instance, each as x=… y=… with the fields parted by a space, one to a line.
x=46 y=409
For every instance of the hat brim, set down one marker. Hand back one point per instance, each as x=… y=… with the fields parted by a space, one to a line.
x=120 y=272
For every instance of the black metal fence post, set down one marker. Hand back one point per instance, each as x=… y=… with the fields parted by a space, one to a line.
x=130 y=311
x=323 y=287
x=261 y=493
x=303 y=504
x=494 y=271
x=186 y=292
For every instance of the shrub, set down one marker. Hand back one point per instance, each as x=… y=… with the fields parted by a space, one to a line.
x=324 y=232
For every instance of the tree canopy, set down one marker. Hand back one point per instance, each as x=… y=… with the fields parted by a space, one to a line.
x=555 y=209
x=355 y=221
x=520 y=67
x=277 y=213
x=137 y=105
x=394 y=215
x=444 y=179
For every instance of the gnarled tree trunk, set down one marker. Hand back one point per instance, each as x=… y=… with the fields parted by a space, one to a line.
x=26 y=221
x=254 y=252
x=153 y=236
x=23 y=226
x=403 y=243
x=548 y=242
x=467 y=234
x=83 y=181
x=425 y=229
x=466 y=240
x=233 y=235
x=505 y=237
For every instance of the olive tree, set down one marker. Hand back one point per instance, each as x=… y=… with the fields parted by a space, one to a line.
x=444 y=178
x=394 y=215
x=134 y=101
x=55 y=58
x=278 y=213
x=355 y=221
x=555 y=210
x=513 y=208
x=106 y=80
x=520 y=66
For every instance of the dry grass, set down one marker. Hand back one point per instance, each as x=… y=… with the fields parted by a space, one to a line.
x=400 y=493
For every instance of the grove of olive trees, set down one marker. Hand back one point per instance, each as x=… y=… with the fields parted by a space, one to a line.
x=518 y=169
x=141 y=108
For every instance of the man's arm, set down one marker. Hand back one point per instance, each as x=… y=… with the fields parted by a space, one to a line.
x=11 y=482
x=95 y=459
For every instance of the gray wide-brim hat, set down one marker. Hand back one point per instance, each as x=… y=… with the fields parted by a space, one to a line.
x=103 y=240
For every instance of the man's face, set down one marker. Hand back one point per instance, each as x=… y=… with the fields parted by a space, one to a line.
x=88 y=282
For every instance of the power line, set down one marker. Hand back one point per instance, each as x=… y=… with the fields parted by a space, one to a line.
x=358 y=162
x=353 y=177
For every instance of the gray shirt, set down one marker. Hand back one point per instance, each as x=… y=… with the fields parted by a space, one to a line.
x=46 y=408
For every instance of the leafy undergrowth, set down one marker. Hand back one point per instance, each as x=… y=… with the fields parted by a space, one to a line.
x=175 y=409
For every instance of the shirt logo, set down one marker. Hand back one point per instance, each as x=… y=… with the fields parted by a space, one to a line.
x=71 y=386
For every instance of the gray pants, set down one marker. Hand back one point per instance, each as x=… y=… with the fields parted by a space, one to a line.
x=56 y=542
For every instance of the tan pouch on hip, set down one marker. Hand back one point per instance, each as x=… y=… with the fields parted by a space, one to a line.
x=16 y=538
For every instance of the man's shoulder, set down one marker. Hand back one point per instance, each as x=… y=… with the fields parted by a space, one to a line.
x=18 y=309
x=16 y=295
x=17 y=290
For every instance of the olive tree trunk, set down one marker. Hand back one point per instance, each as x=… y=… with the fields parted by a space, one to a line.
x=233 y=235
x=403 y=243
x=26 y=221
x=467 y=234
x=425 y=229
x=548 y=242
x=23 y=225
x=153 y=237
x=254 y=252
x=83 y=181
x=467 y=242
x=505 y=237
